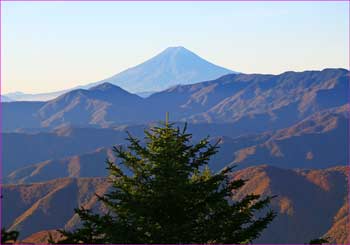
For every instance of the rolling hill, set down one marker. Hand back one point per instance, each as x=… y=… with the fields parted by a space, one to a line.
x=319 y=141
x=68 y=141
x=49 y=205
x=100 y=105
x=308 y=202
x=64 y=142
x=91 y=164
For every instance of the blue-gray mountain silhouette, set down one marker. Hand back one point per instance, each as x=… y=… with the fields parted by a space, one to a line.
x=173 y=66
x=5 y=98
x=252 y=102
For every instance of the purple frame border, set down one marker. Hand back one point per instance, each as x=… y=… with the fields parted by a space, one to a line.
x=1 y=74
x=174 y=0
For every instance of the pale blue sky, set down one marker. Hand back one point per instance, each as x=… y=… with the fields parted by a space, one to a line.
x=50 y=46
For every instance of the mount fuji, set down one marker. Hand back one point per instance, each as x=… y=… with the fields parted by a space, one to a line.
x=173 y=66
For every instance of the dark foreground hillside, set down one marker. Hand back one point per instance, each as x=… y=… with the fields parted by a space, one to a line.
x=310 y=203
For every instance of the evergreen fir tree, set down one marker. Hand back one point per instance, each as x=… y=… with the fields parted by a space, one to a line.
x=8 y=237
x=171 y=196
x=322 y=240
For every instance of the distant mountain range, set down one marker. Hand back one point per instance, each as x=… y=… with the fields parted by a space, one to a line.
x=318 y=141
x=20 y=96
x=5 y=98
x=66 y=142
x=315 y=206
x=173 y=66
x=54 y=152
x=252 y=102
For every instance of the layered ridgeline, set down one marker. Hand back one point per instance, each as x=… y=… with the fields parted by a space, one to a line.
x=315 y=206
x=173 y=66
x=319 y=141
x=71 y=141
x=55 y=151
x=252 y=103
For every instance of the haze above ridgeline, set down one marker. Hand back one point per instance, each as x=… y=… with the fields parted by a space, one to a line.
x=173 y=66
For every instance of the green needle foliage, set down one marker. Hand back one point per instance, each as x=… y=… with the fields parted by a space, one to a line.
x=320 y=241
x=171 y=197
x=8 y=236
